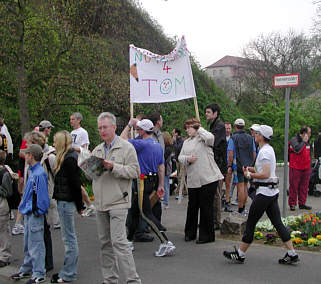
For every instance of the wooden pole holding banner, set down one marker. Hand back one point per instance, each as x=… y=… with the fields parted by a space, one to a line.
x=131 y=116
x=196 y=109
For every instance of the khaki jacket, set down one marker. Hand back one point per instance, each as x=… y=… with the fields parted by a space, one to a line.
x=111 y=185
x=204 y=170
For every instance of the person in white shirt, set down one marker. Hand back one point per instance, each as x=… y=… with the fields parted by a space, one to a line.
x=265 y=200
x=80 y=139
x=4 y=131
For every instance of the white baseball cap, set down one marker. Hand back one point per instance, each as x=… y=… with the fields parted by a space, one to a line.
x=239 y=122
x=266 y=131
x=145 y=124
x=255 y=127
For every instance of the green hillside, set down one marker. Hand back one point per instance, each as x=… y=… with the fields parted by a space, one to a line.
x=58 y=57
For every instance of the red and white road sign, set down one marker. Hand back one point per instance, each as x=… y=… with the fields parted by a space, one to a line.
x=286 y=80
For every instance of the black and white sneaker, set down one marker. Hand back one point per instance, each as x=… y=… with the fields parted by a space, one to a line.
x=20 y=275
x=36 y=280
x=234 y=255
x=288 y=259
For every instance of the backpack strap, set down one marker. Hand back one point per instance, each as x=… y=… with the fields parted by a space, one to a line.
x=49 y=167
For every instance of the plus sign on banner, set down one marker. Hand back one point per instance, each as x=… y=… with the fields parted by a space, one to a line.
x=160 y=78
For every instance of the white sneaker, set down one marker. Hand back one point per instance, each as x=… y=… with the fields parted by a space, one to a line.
x=235 y=202
x=131 y=245
x=11 y=215
x=165 y=249
x=56 y=226
x=88 y=211
x=18 y=229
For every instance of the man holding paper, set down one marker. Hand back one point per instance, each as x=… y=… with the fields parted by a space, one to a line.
x=113 y=199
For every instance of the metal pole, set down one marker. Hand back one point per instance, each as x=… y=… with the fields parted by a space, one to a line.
x=286 y=138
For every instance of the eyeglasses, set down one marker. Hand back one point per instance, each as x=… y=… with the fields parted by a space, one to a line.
x=101 y=128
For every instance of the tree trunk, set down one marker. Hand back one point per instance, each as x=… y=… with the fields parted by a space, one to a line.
x=22 y=92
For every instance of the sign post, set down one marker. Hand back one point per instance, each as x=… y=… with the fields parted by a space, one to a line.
x=288 y=81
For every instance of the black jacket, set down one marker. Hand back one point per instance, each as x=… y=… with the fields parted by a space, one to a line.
x=217 y=128
x=67 y=181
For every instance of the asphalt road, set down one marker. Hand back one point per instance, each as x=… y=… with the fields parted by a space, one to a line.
x=192 y=263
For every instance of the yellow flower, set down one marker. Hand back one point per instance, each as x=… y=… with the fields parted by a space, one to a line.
x=312 y=241
x=319 y=237
x=297 y=241
x=292 y=236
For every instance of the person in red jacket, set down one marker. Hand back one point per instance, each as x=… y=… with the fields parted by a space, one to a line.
x=300 y=168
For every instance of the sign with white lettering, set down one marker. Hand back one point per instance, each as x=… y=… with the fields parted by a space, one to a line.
x=160 y=78
x=286 y=80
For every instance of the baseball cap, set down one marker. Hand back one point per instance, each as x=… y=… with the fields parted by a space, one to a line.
x=239 y=122
x=266 y=131
x=45 y=124
x=145 y=124
x=255 y=127
x=33 y=149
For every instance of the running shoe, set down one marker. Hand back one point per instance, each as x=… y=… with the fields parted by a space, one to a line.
x=18 y=229
x=131 y=245
x=235 y=202
x=234 y=256
x=35 y=280
x=288 y=259
x=88 y=211
x=165 y=249
x=56 y=226
x=20 y=275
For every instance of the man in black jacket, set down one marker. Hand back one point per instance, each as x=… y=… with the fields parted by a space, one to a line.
x=217 y=128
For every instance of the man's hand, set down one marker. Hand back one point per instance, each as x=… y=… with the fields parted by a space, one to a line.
x=192 y=159
x=109 y=165
x=133 y=122
x=160 y=191
x=229 y=170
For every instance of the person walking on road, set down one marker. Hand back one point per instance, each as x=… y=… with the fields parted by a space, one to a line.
x=265 y=200
x=113 y=199
x=203 y=176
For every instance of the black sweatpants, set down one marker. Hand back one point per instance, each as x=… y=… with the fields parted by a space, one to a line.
x=149 y=185
x=201 y=199
x=268 y=204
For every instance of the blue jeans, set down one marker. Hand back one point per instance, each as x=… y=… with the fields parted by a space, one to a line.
x=34 y=246
x=166 y=187
x=66 y=212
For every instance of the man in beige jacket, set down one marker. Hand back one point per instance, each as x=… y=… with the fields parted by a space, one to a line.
x=113 y=199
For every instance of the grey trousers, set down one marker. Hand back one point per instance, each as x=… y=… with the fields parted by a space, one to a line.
x=217 y=205
x=114 y=249
x=5 y=238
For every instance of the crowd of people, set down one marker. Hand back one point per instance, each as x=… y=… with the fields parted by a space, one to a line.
x=134 y=188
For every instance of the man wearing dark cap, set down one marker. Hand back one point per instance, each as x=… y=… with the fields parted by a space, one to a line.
x=152 y=170
x=34 y=205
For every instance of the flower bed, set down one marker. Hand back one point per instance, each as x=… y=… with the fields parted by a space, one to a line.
x=305 y=230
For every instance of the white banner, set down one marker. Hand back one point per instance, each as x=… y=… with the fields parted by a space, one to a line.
x=160 y=78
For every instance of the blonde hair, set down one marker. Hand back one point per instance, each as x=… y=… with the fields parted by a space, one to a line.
x=62 y=140
x=168 y=140
x=36 y=137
